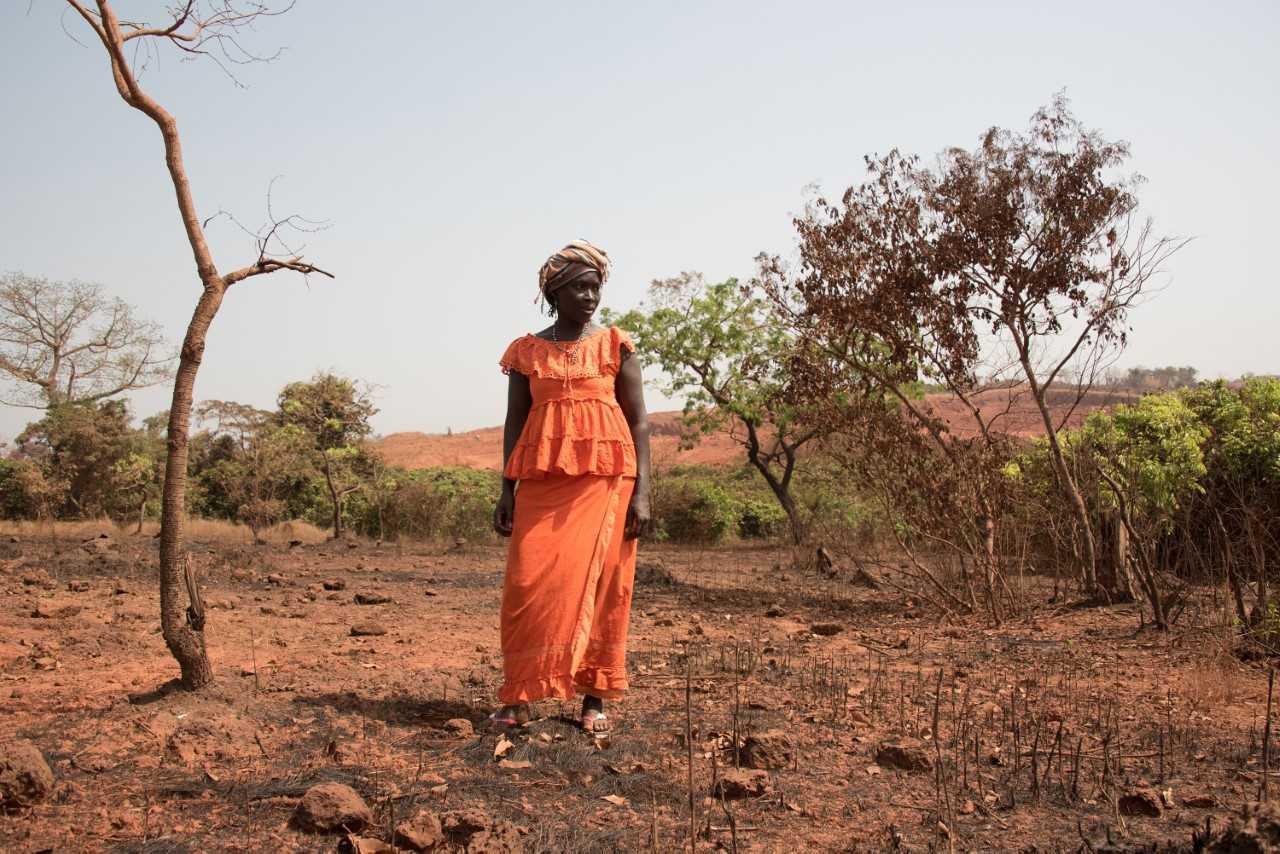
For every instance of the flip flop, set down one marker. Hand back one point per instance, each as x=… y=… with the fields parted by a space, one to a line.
x=595 y=724
x=511 y=720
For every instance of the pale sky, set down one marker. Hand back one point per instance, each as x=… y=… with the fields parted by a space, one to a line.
x=454 y=146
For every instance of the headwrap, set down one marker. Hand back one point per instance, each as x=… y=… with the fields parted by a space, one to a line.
x=577 y=259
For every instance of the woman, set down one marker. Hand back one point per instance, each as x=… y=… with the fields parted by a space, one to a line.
x=575 y=496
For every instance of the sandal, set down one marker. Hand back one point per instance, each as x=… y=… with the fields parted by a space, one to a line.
x=595 y=724
x=509 y=717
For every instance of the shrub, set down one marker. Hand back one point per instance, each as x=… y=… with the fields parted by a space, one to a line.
x=761 y=519
x=692 y=507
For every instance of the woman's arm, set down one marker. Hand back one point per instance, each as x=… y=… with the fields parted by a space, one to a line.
x=629 y=388
x=519 y=402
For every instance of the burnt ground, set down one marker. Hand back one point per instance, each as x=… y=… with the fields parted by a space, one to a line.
x=1053 y=728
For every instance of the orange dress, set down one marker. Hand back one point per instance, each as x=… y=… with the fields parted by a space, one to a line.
x=566 y=598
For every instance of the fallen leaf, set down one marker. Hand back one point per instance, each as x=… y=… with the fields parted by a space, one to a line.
x=616 y=800
x=873 y=770
x=502 y=748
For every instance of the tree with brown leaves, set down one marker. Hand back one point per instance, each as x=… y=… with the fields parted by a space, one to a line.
x=209 y=29
x=1008 y=267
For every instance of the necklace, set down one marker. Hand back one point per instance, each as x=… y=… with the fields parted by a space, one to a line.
x=571 y=352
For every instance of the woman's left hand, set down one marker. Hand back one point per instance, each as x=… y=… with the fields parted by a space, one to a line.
x=639 y=519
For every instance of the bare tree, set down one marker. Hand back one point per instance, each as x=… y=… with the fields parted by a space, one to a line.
x=68 y=342
x=210 y=30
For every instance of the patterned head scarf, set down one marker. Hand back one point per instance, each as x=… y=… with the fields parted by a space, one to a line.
x=577 y=259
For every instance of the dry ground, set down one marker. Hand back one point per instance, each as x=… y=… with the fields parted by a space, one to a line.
x=1045 y=722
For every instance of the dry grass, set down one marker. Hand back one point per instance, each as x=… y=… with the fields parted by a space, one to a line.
x=218 y=531
x=1215 y=682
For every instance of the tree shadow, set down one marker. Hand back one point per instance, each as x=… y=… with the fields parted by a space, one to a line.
x=401 y=709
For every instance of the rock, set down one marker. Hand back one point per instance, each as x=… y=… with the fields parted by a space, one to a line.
x=331 y=807
x=1256 y=829
x=421 y=833
x=1200 y=802
x=904 y=755
x=25 y=777
x=1141 y=802
x=78 y=586
x=372 y=599
x=293 y=544
x=335 y=584
x=353 y=844
x=664 y=622
x=39 y=578
x=276 y=578
x=767 y=750
x=368 y=630
x=48 y=611
x=775 y=611
x=99 y=545
x=742 y=783
x=473 y=830
x=826 y=630
x=459 y=728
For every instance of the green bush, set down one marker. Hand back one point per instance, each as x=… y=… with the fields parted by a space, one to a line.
x=694 y=510
x=761 y=519
x=434 y=503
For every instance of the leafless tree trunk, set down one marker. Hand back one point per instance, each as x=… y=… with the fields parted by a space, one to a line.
x=190 y=31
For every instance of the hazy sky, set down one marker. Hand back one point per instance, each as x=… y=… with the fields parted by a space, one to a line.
x=453 y=146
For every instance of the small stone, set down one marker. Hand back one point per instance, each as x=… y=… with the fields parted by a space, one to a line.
x=276 y=578
x=767 y=750
x=78 y=586
x=368 y=630
x=826 y=629
x=25 y=776
x=331 y=807
x=335 y=584
x=906 y=755
x=775 y=611
x=664 y=622
x=372 y=599
x=459 y=728
x=742 y=783
x=421 y=833
x=1141 y=802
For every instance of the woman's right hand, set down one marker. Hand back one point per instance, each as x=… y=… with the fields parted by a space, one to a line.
x=505 y=513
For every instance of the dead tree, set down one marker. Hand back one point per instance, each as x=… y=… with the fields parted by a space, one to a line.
x=202 y=30
x=68 y=342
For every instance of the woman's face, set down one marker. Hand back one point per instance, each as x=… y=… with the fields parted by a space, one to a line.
x=577 y=301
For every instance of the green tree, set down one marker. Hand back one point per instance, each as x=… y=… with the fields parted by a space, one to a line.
x=267 y=462
x=334 y=413
x=1150 y=459
x=79 y=446
x=724 y=352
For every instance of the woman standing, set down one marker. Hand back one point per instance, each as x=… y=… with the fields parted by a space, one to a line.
x=575 y=496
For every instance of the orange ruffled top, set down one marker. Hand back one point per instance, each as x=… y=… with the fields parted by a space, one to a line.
x=576 y=426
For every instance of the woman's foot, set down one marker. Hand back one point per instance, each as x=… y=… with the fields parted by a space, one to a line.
x=593 y=719
x=515 y=715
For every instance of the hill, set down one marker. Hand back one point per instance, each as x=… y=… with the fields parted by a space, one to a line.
x=1011 y=410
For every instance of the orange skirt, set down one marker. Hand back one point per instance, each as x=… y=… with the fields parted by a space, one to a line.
x=566 y=599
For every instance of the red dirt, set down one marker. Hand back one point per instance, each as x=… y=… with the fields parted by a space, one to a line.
x=1010 y=410
x=299 y=701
